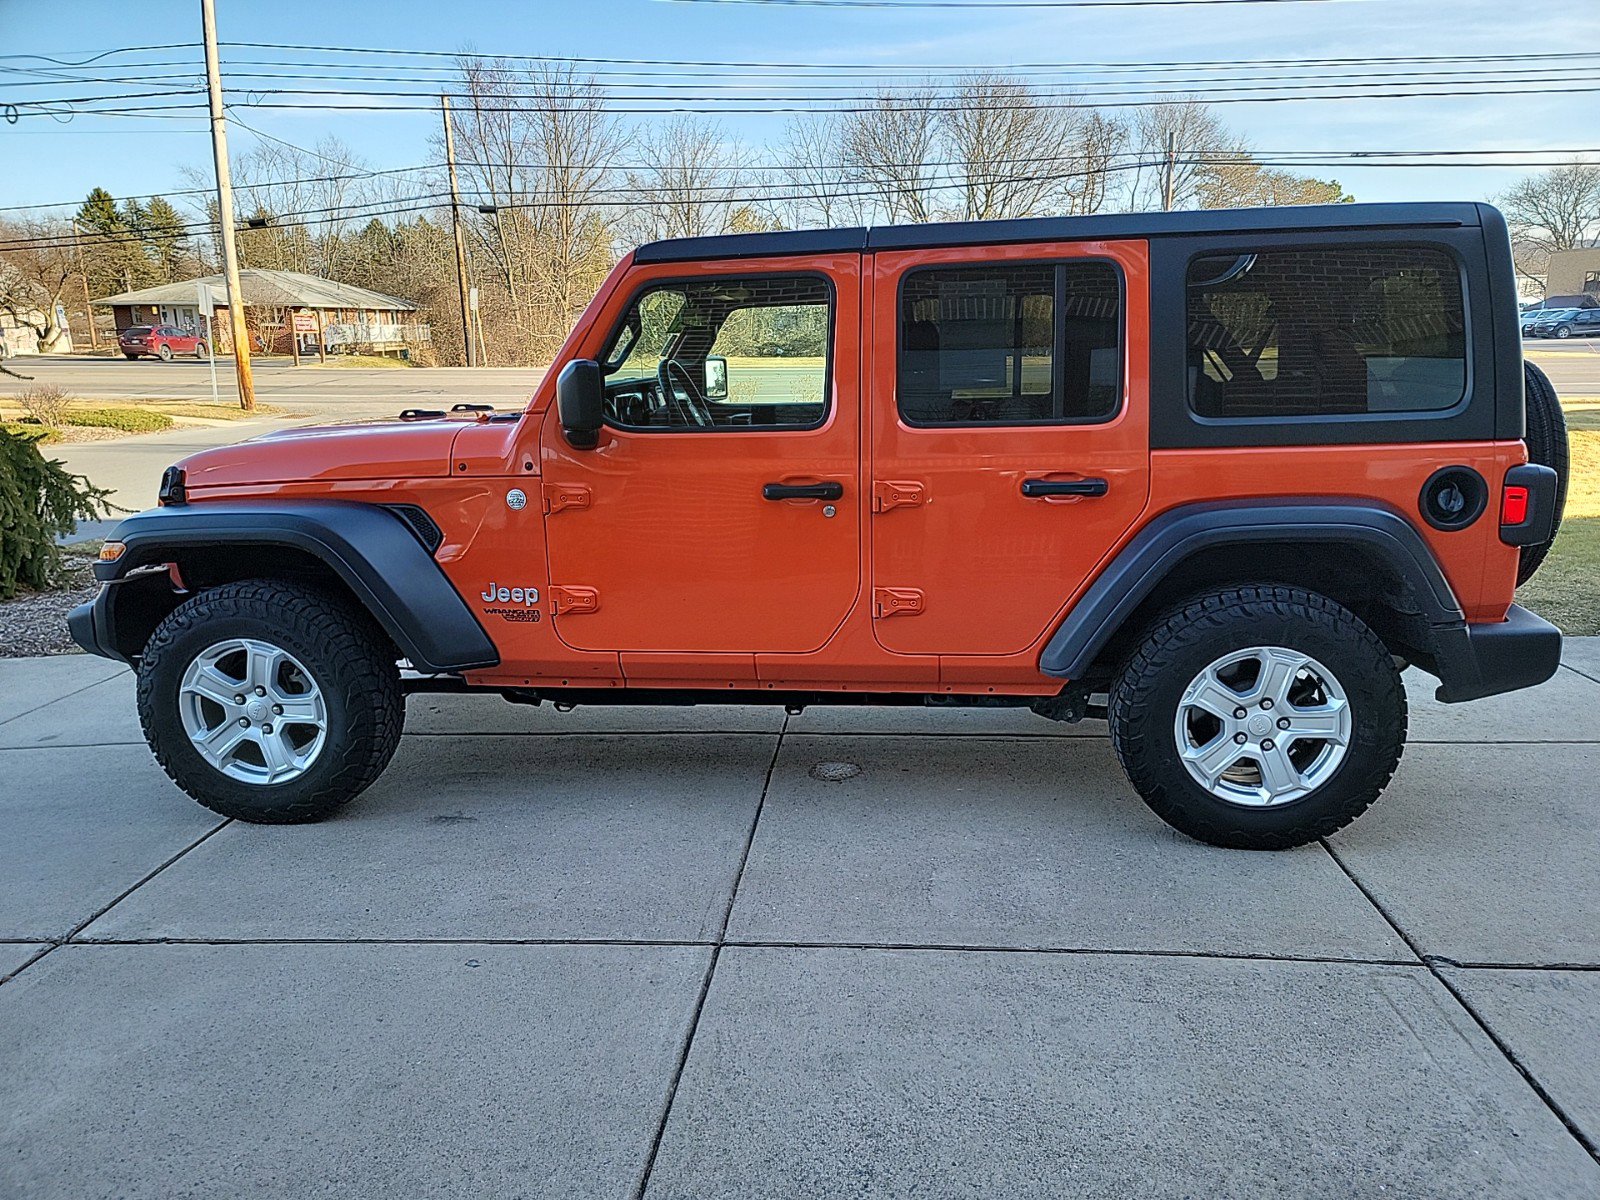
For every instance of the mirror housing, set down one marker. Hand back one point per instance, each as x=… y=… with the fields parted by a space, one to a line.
x=716 y=377
x=580 y=401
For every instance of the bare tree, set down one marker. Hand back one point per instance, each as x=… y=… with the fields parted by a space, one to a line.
x=307 y=203
x=1102 y=140
x=35 y=274
x=886 y=149
x=1557 y=209
x=690 y=182
x=537 y=143
x=817 y=192
x=1009 y=154
x=1199 y=135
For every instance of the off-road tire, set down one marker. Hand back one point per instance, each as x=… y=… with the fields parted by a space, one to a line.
x=1547 y=445
x=1185 y=640
x=353 y=666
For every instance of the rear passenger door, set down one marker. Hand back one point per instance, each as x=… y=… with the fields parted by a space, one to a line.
x=1010 y=436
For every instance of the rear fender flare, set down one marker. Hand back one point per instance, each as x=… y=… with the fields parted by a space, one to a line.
x=1183 y=532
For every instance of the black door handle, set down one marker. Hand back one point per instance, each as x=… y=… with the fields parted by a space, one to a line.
x=802 y=491
x=1065 y=487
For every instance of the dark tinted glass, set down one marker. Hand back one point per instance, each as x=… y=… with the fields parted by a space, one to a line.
x=1326 y=331
x=1010 y=345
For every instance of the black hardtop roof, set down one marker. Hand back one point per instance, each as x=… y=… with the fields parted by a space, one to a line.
x=1065 y=229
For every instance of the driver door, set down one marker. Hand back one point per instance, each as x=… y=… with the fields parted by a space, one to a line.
x=719 y=513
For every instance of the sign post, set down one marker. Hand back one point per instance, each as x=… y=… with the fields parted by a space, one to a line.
x=203 y=302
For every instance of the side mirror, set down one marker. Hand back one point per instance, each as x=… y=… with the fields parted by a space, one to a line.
x=716 y=378
x=580 y=399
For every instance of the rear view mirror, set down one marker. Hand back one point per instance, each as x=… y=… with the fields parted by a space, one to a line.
x=716 y=378
x=580 y=401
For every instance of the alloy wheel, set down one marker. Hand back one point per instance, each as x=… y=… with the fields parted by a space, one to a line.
x=253 y=711
x=1263 y=727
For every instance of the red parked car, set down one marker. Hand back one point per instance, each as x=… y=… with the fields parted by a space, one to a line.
x=162 y=341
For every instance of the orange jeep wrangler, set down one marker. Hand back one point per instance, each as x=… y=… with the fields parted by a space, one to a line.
x=1216 y=477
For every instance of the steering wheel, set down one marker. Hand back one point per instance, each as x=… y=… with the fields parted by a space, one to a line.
x=692 y=404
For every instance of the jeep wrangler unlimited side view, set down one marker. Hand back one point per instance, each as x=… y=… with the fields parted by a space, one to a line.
x=1216 y=477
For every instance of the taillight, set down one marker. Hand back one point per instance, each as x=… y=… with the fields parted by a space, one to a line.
x=1514 y=505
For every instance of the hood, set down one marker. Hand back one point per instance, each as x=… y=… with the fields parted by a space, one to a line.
x=379 y=450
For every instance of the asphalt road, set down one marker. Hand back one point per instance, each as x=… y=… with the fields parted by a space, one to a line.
x=346 y=393
x=632 y=952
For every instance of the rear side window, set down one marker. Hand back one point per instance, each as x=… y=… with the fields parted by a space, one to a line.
x=1023 y=344
x=1336 y=330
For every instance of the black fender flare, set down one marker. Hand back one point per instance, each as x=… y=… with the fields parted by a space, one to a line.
x=372 y=551
x=1182 y=532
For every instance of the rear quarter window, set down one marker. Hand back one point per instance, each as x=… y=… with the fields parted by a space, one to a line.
x=1344 y=330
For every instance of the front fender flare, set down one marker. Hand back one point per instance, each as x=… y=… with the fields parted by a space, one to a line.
x=369 y=548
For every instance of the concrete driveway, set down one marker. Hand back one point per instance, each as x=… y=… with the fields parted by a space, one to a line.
x=632 y=952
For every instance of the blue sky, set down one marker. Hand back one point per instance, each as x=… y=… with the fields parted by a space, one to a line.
x=48 y=161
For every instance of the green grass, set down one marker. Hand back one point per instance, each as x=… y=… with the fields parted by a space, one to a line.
x=128 y=420
x=39 y=433
x=1567 y=588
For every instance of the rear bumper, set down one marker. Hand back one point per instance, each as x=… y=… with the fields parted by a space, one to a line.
x=1474 y=661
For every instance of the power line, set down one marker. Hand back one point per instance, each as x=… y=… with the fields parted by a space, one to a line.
x=1485 y=157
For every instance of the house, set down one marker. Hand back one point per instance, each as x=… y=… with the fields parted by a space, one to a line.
x=279 y=305
x=1574 y=275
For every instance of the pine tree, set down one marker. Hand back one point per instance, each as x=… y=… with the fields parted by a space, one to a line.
x=166 y=241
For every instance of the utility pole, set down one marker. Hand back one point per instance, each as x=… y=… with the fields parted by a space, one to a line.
x=1168 y=181
x=230 y=254
x=83 y=270
x=455 y=223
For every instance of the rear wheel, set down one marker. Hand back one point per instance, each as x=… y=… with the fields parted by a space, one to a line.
x=270 y=702
x=165 y=352
x=1546 y=437
x=130 y=357
x=1259 y=717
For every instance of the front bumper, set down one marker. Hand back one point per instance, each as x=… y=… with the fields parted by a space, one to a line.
x=1474 y=661
x=90 y=626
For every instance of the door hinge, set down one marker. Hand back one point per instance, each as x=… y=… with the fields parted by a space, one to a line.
x=896 y=602
x=896 y=493
x=567 y=600
x=558 y=496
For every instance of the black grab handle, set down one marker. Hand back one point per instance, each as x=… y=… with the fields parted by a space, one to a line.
x=802 y=491
x=1065 y=487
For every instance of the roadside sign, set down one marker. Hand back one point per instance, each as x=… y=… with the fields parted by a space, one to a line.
x=472 y=299
x=305 y=322
x=202 y=294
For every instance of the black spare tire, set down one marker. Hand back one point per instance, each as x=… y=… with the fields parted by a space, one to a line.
x=1547 y=445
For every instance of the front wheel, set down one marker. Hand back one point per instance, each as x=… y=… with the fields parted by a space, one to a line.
x=1259 y=717
x=201 y=350
x=1563 y=331
x=270 y=702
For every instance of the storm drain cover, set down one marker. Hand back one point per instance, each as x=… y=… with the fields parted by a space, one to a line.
x=835 y=772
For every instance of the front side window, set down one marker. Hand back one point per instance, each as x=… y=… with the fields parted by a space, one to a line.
x=1326 y=331
x=729 y=352
x=1024 y=344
